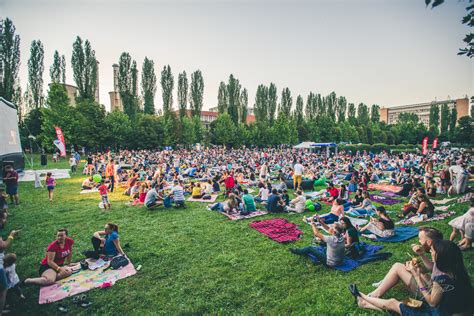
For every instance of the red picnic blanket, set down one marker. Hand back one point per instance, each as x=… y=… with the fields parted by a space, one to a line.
x=278 y=229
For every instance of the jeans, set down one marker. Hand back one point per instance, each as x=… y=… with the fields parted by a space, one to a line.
x=218 y=207
x=112 y=183
x=311 y=250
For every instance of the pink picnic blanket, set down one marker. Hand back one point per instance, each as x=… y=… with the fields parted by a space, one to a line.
x=384 y=187
x=83 y=281
x=278 y=229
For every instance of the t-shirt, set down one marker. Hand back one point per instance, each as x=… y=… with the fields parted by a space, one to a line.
x=196 y=191
x=12 y=276
x=109 y=245
x=50 y=181
x=72 y=162
x=264 y=194
x=103 y=189
x=178 y=193
x=151 y=196
x=272 y=203
x=109 y=170
x=86 y=183
x=60 y=253
x=298 y=169
x=14 y=178
x=249 y=202
x=387 y=224
x=352 y=232
x=335 y=250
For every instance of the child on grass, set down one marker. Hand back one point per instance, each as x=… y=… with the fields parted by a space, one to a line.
x=50 y=184
x=103 y=190
x=13 y=280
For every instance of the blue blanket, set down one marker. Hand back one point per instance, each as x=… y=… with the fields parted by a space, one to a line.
x=349 y=264
x=402 y=233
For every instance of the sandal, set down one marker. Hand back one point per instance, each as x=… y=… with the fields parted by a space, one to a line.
x=85 y=304
x=354 y=291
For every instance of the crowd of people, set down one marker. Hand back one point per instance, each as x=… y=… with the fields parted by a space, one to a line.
x=250 y=179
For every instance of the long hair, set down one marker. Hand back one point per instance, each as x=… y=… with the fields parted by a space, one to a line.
x=348 y=222
x=449 y=260
x=113 y=227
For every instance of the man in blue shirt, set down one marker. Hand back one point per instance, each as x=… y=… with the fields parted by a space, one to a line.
x=275 y=203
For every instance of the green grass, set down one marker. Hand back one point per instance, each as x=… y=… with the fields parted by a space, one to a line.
x=194 y=261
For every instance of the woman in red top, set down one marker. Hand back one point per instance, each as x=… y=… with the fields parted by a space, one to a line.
x=57 y=263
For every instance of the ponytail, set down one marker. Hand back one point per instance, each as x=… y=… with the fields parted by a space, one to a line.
x=113 y=227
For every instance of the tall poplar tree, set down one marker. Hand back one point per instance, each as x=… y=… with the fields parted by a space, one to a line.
x=167 y=84
x=286 y=102
x=444 y=119
x=375 y=113
x=233 y=97
x=57 y=70
x=125 y=83
x=272 y=102
x=182 y=93
x=261 y=104
x=196 y=93
x=148 y=86
x=222 y=101
x=9 y=58
x=35 y=72
x=244 y=107
x=84 y=68
x=341 y=109
x=299 y=114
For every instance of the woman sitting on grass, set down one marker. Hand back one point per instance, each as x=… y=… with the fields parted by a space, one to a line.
x=227 y=206
x=365 y=209
x=381 y=227
x=447 y=293
x=57 y=263
x=107 y=242
x=298 y=204
x=334 y=254
x=337 y=211
x=351 y=235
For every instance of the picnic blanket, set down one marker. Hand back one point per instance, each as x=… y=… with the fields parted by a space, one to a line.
x=349 y=264
x=278 y=229
x=95 y=190
x=83 y=281
x=402 y=233
x=236 y=216
x=383 y=200
x=442 y=202
x=390 y=194
x=355 y=221
x=384 y=187
x=29 y=175
x=211 y=200
x=418 y=219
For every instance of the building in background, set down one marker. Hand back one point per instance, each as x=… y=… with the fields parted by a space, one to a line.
x=72 y=92
x=207 y=117
x=390 y=115
x=115 y=101
x=215 y=109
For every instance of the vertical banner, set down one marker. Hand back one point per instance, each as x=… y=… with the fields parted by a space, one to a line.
x=425 y=146
x=61 y=145
x=435 y=143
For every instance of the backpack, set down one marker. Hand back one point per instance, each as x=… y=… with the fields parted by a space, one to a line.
x=118 y=262
x=167 y=202
x=206 y=197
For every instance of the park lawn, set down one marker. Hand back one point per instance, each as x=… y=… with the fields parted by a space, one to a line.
x=194 y=261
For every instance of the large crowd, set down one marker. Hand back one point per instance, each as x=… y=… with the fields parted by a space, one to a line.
x=250 y=179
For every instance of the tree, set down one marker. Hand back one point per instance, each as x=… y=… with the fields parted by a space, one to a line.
x=286 y=102
x=125 y=85
x=453 y=117
x=465 y=130
x=341 y=109
x=362 y=113
x=222 y=130
x=298 y=113
x=331 y=106
x=311 y=107
x=119 y=128
x=233 y=98
x=244 y=108
x=222 y=101
x=468 y=19
x=182 y=93
x=9 y=58
x=35 y=72
x=84 y=68
x=351 y=114
x=375 y=113
x=196 y=93
x=148 y=86
x=261 y=103
x=91 y=122
x=272 y=102
x=434 y=119
x=57 y=69
x=444 y=119
x=405 y=118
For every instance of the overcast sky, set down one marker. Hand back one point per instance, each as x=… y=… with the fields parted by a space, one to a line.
x=388 y=52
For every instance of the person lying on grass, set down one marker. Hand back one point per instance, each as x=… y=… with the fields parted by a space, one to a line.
x=335 y=248
x=56 y=265
x=228 y=206
x=449 y=292
x=381 y=227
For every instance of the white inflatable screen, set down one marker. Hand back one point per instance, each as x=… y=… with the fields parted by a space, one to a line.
x=9 y=133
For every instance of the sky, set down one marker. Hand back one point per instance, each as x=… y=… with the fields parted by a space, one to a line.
x=386 y=52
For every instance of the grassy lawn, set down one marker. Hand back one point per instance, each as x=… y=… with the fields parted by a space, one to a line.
x=194 y=261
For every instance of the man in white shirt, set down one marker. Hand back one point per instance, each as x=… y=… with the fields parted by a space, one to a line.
x=297 y=175
x=73 y=164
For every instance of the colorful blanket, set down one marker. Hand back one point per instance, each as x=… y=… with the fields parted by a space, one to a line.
x=384 y=187
x=383 y=200
x=95 y=190
x=389 y=194
x=83 y=281
x=418 y=219
x=236 y=216
x=442 y=202
x=278 y=229
x=402 y=233
x=211 y=200
x=349 y=264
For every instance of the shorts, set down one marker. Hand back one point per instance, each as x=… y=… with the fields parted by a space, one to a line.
x=150 y=204
x=297 y=179
x=43 y=268
x=3 y=280
x=50 y=187
x=105 y=199
x=12 y=189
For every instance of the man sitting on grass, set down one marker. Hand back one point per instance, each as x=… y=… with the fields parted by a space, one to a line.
x=152 y=199
x=177 y=192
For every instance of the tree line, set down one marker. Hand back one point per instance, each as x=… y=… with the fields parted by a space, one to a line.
x=280 y=118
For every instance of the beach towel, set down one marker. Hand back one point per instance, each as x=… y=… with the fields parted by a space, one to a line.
x=402 y=233
x=442 y=202
x=349 y=264
x=355 y=221
x=383 y=200
x=83 y=281
x=211 y=200
x=278 y=229
x=384 y=187
x=418 y=219
x=95 y=190
x=237 y=216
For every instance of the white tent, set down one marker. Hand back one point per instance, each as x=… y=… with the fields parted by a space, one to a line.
x=305 y=145
x=10 y=146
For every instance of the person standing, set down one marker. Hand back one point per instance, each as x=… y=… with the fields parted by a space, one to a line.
x=50 y=184
x=10 y=178
x=110 y=174
x=297 y=175
x=73 y=164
